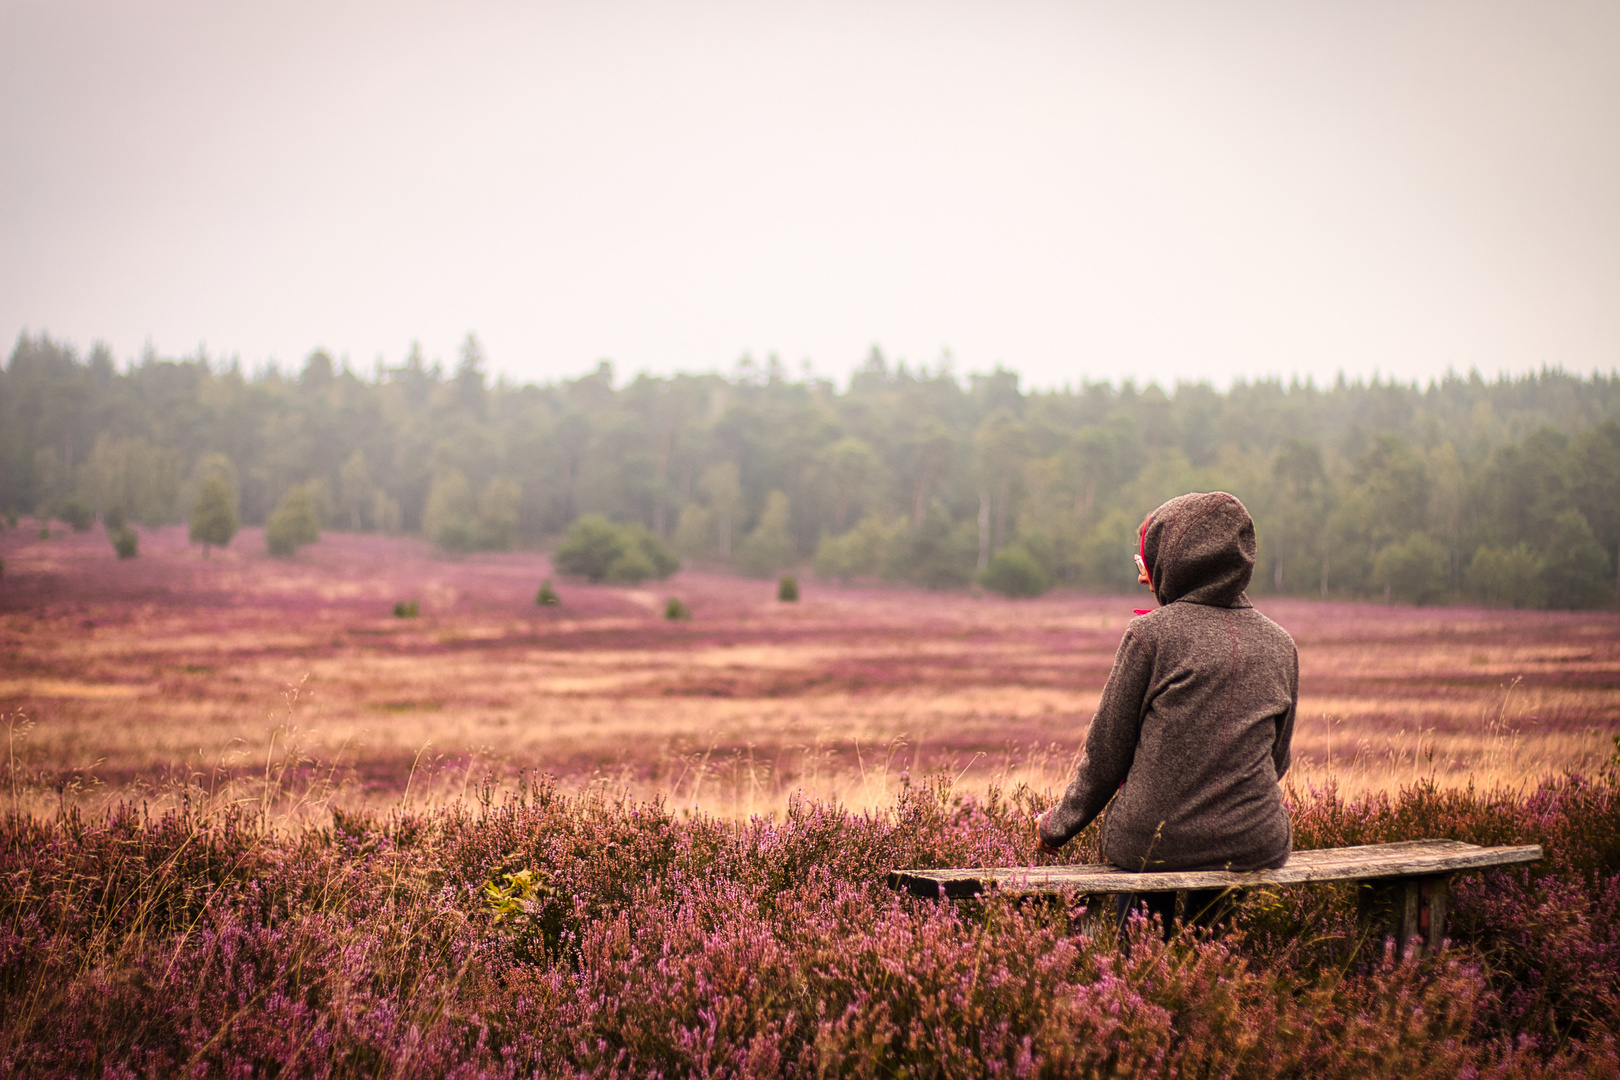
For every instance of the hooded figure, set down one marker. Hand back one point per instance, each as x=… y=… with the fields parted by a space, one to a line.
x=1194 y=726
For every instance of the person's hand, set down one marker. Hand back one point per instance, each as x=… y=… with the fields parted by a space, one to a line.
x=1046 y=849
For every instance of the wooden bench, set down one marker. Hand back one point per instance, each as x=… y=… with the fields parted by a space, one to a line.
x=1404 y=885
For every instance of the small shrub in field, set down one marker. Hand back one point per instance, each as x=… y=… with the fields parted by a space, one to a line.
x=787 y=590
x=547 y=596
x=675 y=608
x=631 y=567
x=1015 y=572
x=125 y=541
x=598 y=550
x=406 y=609
x=590 y=549
x=45 y=531
x=213 y=515
x=293 y=523
x=77 y=513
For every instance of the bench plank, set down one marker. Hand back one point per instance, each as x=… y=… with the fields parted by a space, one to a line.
x=1367 y=862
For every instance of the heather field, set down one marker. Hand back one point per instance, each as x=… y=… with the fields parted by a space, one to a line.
x=257 y=825
x=175 y=668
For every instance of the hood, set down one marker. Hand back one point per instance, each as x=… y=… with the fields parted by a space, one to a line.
x=1200 y=548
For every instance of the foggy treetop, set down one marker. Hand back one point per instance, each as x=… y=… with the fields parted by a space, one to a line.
x=1463 y=485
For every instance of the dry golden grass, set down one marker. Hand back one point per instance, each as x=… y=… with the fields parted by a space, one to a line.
x=251 y=674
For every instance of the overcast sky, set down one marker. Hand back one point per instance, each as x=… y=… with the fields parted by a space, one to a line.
x=1157 y=190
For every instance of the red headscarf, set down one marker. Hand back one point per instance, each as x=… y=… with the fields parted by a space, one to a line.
x=1141 y=551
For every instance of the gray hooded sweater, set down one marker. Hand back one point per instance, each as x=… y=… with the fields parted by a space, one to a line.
x=1193 y=730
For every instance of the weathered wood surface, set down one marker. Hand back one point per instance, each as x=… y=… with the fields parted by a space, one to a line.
x=1369 y=862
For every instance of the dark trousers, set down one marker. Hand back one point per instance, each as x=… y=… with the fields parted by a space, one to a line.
x=1205 y=909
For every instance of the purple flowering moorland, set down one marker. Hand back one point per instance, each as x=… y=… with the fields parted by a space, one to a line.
x=553 y=935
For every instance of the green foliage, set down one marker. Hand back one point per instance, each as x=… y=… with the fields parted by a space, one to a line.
x=77 y=513
x=447 y=519
x=851 y=478
x=125 y=541
x=293 y=524
x=769 y=547
x=695 y=531
x=213 y=515
x=787 y=589
x=631 y=566
x=496 y=526
x=456 y=522
x=1507 y=577
x=1334 y=475
x=1412 y=569
x=1014 y=572
x=517 y=894
x=935 y=554
x=598 y=550
x=860 y=552
x=547 y=596
x=147 y=480
x=1105 y=553
x=675 y=609
x=1575 y=568
x=649 y=551
x=591 y=548
x=407 y=609
x=721 y=483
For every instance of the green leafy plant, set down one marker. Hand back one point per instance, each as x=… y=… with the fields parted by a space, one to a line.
x=213 y=515
x=675 y=608
x=547 y=596
x=598 y=550
x=1015 y=573
x=517 y=890
x=294 y=522
x=406 y=609
x=77 y=513
x=125 y=541
x=787 y=590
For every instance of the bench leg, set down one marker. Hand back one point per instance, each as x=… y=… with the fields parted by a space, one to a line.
x=1411 y=910
x=1434 y=893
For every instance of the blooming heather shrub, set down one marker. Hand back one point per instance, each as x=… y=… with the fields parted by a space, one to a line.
x=587 y=935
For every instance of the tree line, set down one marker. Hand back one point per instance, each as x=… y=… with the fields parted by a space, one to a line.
x=1506 y=491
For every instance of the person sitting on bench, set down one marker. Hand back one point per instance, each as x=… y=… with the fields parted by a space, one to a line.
x=1193 y=730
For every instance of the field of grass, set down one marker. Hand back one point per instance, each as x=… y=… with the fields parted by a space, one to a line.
x=174 y=668
x=255 y=825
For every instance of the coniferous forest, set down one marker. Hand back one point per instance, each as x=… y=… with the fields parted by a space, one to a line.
x=1503 y=491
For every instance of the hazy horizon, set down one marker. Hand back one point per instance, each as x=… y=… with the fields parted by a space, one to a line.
x=1071 y=192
